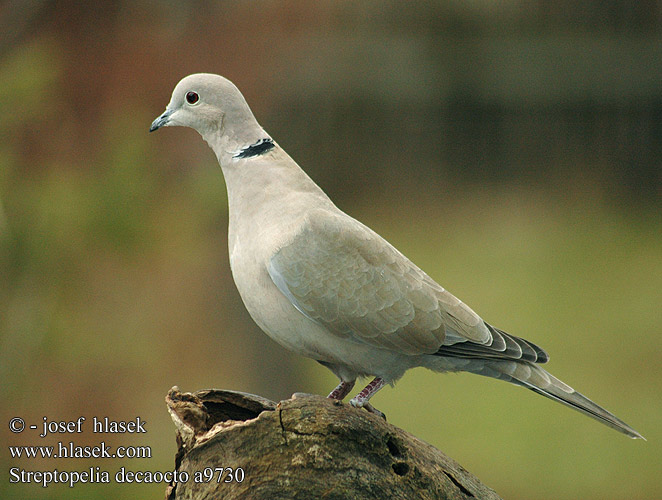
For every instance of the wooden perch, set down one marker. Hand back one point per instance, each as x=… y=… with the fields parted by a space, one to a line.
x=308 y=447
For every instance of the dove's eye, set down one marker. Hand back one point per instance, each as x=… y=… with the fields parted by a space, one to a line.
x=192 y=97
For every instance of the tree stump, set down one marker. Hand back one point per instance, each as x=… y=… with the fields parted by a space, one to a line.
x=234 y=445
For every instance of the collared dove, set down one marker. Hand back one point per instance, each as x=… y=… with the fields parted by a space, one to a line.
x=325 y=286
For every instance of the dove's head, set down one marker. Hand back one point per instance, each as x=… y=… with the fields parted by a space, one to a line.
x=212 y=105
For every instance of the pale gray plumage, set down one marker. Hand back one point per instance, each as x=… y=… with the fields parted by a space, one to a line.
x=325 y=286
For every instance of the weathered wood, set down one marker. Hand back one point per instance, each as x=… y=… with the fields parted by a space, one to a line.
x=307 y=447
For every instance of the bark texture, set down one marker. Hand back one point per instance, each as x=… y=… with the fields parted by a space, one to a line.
x=308 y=447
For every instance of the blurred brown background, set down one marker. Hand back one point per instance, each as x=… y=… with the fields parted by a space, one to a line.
x=512 y=149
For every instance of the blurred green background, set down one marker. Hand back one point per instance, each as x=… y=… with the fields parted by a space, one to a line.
x=512 y=149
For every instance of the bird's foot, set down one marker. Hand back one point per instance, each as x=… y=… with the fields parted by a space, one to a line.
x=361 y=399
x=359 y=404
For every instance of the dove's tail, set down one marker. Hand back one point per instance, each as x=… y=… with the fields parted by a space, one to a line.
x=538 y=380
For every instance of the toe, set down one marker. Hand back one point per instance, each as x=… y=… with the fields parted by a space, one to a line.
x=374 y=410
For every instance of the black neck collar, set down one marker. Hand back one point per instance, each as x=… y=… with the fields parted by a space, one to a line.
x=257 y=149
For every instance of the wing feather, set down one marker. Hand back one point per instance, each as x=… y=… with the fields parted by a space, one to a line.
x=345 y=276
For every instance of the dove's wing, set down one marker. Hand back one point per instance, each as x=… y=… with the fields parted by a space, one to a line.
x=346 y=277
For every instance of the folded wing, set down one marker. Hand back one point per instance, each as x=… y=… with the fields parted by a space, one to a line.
x=343 y=275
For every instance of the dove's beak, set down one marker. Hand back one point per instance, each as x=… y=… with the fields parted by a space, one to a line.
x=161 y=121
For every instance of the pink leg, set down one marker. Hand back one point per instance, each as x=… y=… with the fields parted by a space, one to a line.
x=361 y=399
x=342 y=390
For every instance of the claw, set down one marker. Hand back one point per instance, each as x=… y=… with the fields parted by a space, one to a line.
x=374 y=410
